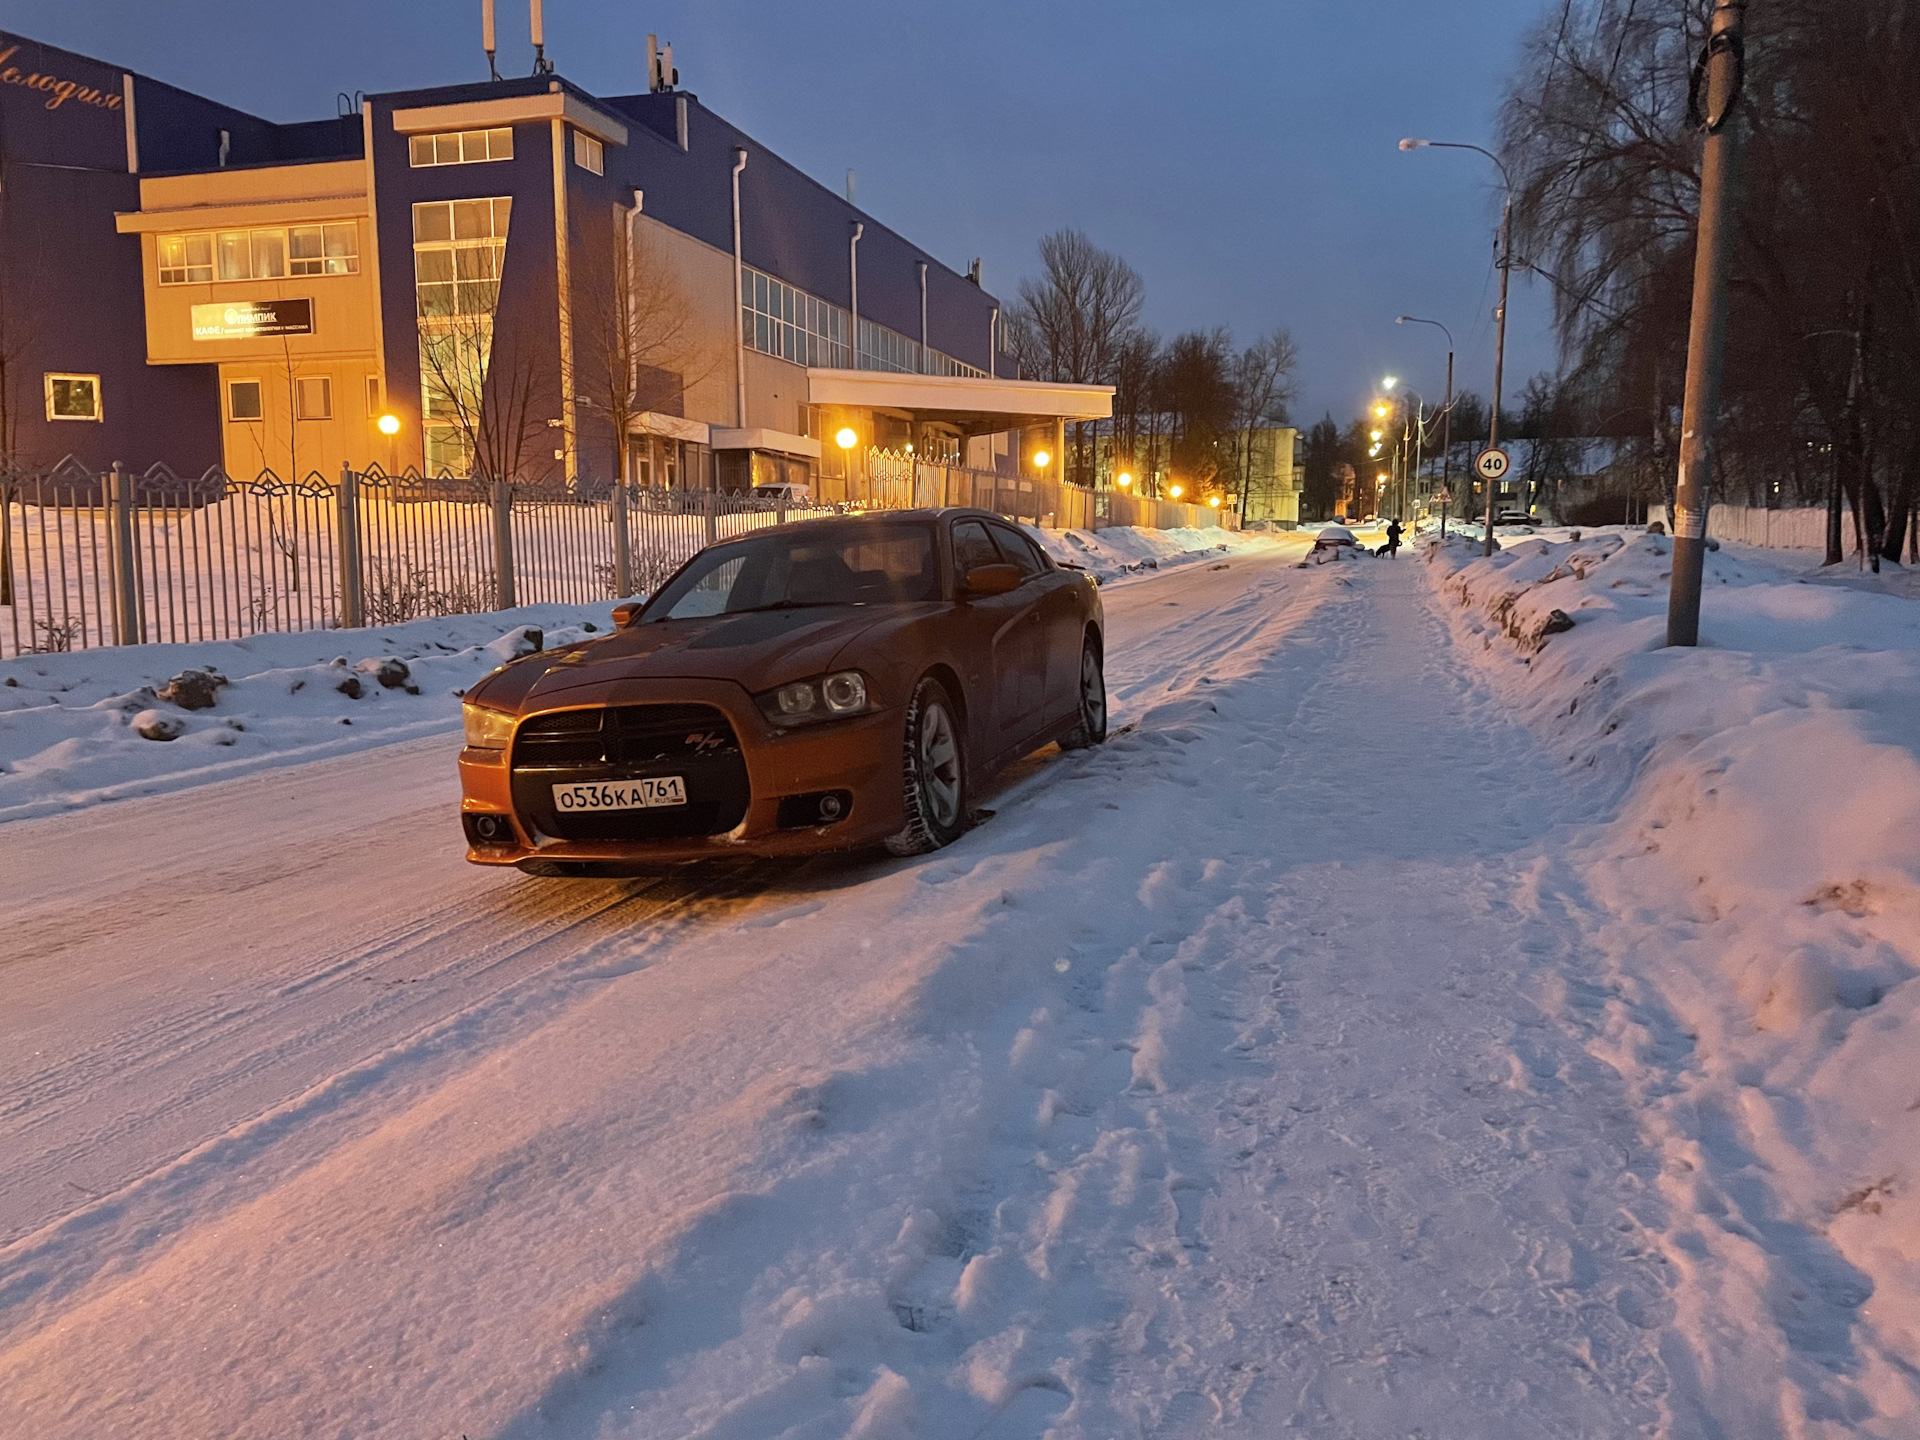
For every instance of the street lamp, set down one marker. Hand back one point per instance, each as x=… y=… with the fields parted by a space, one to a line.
x=1040 y=459
x=1123 y=479
x=1176 y=491
x=1500 y=315
x=1446 y=415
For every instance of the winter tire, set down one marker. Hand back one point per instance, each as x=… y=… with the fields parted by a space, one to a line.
x=1092 y=728
x=933 y=773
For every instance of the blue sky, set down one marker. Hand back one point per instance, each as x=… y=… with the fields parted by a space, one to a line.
x=1240 y=155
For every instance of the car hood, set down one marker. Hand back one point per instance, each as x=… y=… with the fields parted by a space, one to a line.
x=759 y=650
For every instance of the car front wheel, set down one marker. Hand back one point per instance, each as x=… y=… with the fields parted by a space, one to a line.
x=1092 y=726
x=933 y=773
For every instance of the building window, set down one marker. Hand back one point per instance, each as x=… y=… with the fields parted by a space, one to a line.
x=73 y=397
x=260 y=254
x=244 y=400
x=186 y=259
x=461 y=147
x=459 y=247
x=778 y=319
x=324 y=249
x=313 y=398
x=589 y=153
x=373 y=394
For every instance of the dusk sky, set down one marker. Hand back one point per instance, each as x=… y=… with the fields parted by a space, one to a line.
x=1241 y=156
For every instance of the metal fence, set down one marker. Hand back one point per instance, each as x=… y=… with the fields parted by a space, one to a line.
x=116 y=558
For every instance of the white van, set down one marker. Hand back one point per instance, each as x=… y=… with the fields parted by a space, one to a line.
x=792 y=494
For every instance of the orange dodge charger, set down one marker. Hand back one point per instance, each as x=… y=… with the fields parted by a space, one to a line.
x=824 y=685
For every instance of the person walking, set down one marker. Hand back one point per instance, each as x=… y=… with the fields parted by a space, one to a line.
x=1394 y=533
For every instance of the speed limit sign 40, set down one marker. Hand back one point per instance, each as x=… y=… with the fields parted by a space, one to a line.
x=1492 y=464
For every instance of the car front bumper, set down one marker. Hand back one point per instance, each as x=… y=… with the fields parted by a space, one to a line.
x=861 y=756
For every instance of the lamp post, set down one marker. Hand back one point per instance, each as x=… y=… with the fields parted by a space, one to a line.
x=1500 y=315
x=1446 y=414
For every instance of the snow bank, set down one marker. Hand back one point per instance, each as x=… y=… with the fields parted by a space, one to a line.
x=1763 y=884
x=100 y=724
x=1126 y=549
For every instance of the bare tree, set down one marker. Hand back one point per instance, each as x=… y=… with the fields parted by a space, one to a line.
x=646 y=342
x=487 y=394
x=1073 y=322
x=1262 y=376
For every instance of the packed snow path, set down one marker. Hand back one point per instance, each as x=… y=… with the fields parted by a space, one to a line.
x=1232 y=1079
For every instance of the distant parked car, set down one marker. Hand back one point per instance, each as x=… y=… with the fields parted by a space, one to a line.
x=792 y=494
x=1512 y=517
x=1333 y=537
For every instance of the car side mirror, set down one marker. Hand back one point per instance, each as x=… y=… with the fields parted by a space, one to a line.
x=626 y=612
x=984 y=580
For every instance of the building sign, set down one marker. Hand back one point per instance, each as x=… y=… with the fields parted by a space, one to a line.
x=252 y=319
x=57 y=88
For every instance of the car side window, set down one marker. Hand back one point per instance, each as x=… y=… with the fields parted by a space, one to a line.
x=972 y=547
x=1019 y=550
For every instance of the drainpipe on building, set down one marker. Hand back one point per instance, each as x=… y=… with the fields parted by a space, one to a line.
x=923 y=317
x=993 y=344
x=853 y=266
x=739 y=300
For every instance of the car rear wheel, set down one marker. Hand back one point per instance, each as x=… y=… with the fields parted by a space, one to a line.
x=1092 y=729
x=933 y=773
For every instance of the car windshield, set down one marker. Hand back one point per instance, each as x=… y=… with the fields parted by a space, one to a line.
x=867 y=564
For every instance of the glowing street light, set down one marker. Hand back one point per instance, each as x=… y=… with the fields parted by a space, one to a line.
x=1389 y=382
x=1123 y=479
x=1373 y=435
x=388 y=424
x=846 y=439
x=1176 y=491
x=1040 y=459
x=1214 y=501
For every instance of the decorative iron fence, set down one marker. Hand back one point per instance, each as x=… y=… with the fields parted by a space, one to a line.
x=117 y=558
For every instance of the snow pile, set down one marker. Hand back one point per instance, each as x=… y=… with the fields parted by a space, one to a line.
x=1127 y=549
x=1762 y=881
x=95 y=725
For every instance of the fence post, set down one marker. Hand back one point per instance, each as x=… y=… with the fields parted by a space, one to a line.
x=127 y=626
x=503 y=546
x=346 y=502
x=622 y=541
x=713 y=515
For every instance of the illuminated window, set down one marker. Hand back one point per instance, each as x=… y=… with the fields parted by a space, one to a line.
x=459 y=247
x=313 y=398
x=324 y=249
x=588 y=153
x=186 y=259
x=244 y=400
x=73 y=397
x=460 y=147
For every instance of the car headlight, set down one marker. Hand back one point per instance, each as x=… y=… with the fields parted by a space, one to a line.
x=486 y=729
x=830 y=697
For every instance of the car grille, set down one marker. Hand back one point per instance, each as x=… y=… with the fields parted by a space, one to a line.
x=626 y=742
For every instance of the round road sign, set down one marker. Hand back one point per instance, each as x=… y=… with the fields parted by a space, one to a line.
x=1492 y=464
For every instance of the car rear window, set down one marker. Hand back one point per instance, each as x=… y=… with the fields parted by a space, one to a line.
x=793 y=568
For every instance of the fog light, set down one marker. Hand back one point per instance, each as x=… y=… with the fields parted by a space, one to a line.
x=829 y=807
x=818 y=807
x=488 y=829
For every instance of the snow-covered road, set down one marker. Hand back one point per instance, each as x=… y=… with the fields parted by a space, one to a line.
x=1236 y=1078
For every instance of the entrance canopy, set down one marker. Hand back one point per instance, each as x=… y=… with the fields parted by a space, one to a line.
x=973 y=406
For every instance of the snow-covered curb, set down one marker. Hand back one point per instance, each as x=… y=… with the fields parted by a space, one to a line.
x=71 y=724
x=1761 y=885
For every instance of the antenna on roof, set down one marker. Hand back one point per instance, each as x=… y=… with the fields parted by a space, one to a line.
x=486 y=37
x=850 y=187
x=541 y=65
x=660 y=72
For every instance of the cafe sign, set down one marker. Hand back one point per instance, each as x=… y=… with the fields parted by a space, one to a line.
x=252 y=319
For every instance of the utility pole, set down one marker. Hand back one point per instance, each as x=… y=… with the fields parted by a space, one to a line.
x=1499 y=351
x=1707 y=331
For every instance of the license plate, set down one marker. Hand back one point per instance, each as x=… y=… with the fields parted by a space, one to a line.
x=621 y=794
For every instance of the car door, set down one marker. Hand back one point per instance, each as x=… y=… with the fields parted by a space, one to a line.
x=1060 y=622
x=1007 y=655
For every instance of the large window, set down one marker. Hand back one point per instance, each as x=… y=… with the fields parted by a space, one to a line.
x=459 y=248
x=461 y=147
x=244 y=400
x=778 y=319
x=260 y=254
x=313 y=398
